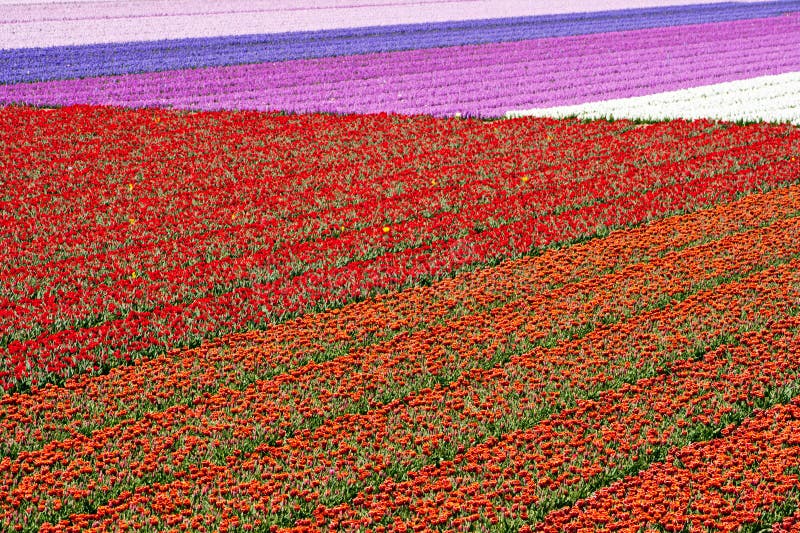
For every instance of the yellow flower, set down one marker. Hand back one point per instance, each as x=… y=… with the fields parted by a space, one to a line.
x=433 y=182
x=525 y=179
x=132 y=220
x=386 y=229
x=133 y=275
x=130 y=187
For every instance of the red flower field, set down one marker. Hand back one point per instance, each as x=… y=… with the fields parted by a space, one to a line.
x=237 y=321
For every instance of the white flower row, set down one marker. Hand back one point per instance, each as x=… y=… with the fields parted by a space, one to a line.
x=765 y=98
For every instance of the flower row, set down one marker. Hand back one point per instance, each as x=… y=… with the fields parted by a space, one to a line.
x=89 y=403
x=473 y=80
x=768 y=98
x=106 y=291
x=295 y=254
x=64 y=62
x=331 y=442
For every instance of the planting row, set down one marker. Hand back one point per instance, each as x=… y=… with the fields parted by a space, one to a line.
x=750 y=476
x=524 y=402
x=768 y=98
x=114 y=292
x=482 y=80
x=540 y=465
x=86 y=22
x=44 y=226
x=279 y=258
x=64 y=62
x=88 y=402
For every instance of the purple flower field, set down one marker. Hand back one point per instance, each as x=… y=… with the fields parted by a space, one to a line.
x=475 y=80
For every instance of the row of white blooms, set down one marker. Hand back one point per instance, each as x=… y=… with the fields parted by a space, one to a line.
x=768 y=98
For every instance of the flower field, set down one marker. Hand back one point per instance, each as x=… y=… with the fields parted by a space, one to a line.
x=261 y=278
x=482 y=68
x=768 y=98
x=144 y=265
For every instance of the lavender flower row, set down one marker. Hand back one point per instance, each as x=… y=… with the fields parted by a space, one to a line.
x=27 y=11
x=71 y=23
x=478 y=80
x=42 y=64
